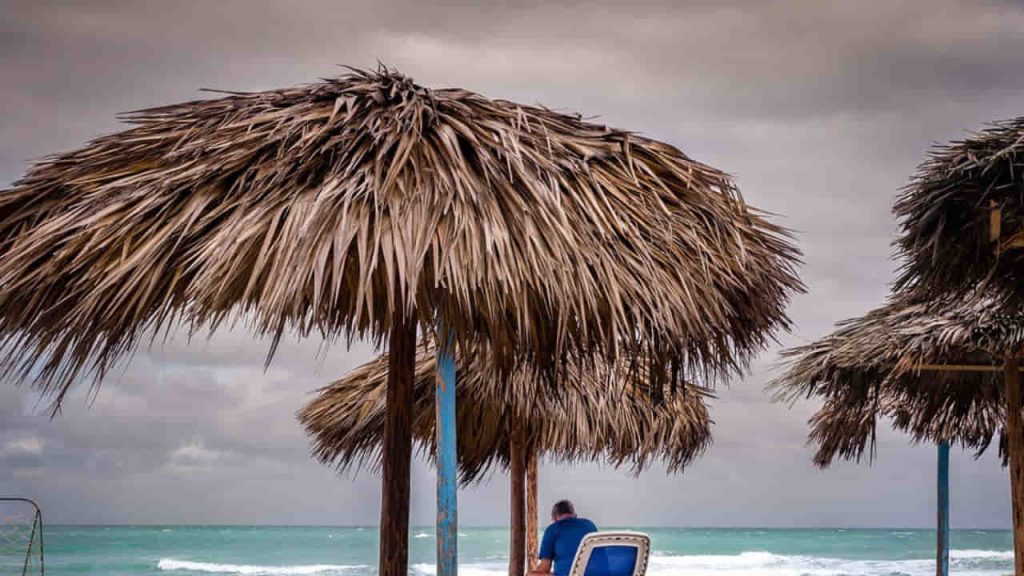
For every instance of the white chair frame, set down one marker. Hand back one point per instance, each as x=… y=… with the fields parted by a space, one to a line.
x=639 y=540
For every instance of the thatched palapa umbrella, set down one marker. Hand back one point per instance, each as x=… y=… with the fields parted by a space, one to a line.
x=369 y=206
x=890 y=363
x=933 y=366
x=962 y=215
x=598 y=414
x=962 y=226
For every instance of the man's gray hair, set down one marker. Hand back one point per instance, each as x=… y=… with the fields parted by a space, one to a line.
x=562 y=508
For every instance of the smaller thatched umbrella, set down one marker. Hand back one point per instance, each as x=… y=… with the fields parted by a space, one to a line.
x=593 y=417
x=962 y=216
x=886 y=362
x=933 y=367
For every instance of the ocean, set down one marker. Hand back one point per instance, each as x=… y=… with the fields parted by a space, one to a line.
x=335 y=551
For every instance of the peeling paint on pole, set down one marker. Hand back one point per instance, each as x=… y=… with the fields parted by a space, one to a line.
x=447 y=459
x=942 y=524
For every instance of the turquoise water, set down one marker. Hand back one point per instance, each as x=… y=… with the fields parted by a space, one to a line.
x=334 y=551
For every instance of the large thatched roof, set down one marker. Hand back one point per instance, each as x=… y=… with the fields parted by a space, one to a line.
x=323 y=208
x=595 y=416
x=945 y=213
x=872 y=366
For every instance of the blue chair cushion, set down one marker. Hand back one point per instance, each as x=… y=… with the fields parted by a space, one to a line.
x=611 y=561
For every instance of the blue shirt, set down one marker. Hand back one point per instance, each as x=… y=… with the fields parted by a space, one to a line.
x=561 y=540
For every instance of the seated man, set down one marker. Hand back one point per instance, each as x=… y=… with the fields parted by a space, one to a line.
x=561 y=540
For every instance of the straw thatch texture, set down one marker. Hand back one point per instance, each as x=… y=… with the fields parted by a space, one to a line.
x=944 y=213
x=593 y=417
x=321 y=209
x=870 y=368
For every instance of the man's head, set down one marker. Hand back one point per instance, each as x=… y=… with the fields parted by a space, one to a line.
x=562 y=509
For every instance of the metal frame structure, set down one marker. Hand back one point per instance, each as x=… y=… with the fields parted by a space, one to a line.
x=37 y=527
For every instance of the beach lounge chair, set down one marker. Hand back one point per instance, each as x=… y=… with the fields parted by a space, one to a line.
x=612 y=554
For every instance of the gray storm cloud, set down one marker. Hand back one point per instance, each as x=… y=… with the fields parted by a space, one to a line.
x=821 y=110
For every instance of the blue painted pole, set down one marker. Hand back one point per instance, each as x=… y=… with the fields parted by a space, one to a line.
x=942 y=524
x=447 y=459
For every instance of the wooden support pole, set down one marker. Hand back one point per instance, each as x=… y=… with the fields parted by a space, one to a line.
x=960 y=367
x=517 y=500
x=942 y=513
x=396 y=456
x=531 y=505
x=447 y=459
x=1015 y=438
x=995 y=223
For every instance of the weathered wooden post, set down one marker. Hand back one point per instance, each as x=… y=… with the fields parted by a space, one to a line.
x=942 y=520
x=396 y=455
x=531 y=504
x=1015 y=437
x=447 y=459
x=517 y=499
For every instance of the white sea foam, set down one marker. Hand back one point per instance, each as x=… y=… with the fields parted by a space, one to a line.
x=474 y=569
x=753 y=563
x=986 y=554
x=964 y=563
x=253 y=570
x=423 y=535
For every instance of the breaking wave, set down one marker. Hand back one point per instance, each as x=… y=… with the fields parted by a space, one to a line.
x=963 y=562
x=753 y=563
x=255 y=570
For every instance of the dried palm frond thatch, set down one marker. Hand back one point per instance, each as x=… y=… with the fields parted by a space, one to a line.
x=871 y=367
x=593 y=417
x=329 y=208
x=946 y=209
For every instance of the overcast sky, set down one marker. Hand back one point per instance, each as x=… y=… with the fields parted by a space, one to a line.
x=821 y=112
